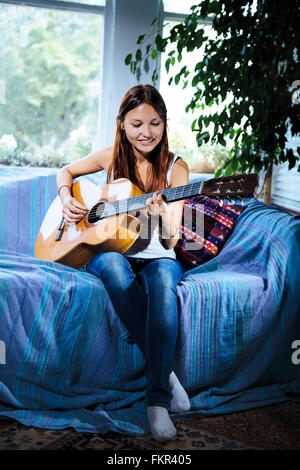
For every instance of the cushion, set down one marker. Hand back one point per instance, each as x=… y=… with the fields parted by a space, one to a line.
x=205 y=226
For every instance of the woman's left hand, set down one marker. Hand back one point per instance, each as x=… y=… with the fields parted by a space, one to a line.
x=156 y=206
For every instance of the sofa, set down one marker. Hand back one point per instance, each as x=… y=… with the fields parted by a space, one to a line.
x=67 y=360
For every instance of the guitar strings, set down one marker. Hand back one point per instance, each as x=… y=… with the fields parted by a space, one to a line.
x=138 y=202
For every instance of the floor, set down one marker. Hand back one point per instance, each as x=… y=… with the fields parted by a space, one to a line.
x=275 y=427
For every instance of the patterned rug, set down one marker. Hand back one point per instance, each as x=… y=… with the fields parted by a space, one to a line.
x=275 y=427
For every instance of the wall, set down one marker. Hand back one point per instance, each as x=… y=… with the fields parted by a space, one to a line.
x=125 y=20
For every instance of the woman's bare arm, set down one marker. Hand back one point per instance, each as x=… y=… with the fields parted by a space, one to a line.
x=170 y=213
x=98 y=160
x=171 y=224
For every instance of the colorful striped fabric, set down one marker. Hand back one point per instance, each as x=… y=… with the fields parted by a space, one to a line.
x=197 y=245
x=66 y=359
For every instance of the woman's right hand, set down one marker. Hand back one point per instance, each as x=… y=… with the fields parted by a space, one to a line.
x=72 y=210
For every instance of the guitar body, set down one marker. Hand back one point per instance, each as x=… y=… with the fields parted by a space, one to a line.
x=111 y=225
x=81 y=241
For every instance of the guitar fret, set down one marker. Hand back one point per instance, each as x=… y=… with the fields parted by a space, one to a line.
x=139 y=202
x=178 y=193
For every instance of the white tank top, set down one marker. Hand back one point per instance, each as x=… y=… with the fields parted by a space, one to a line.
x=143 y=248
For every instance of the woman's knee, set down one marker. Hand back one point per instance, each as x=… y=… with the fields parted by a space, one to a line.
x=109 y=266
x=163 y=273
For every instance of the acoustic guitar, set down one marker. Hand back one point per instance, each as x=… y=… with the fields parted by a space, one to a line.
x=113 y=221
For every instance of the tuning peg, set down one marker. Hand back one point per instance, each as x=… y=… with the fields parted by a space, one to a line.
x=241 y=200
x=230 y=201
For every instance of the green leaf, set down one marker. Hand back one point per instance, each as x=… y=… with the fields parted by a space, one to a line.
x=200 y=123
x=292 y=160
x=140 y=38
x=177 y=78
x=138 y=55
x=154 y=21
x=159 y=43
x=234 y=165
x=146 y=65
x=167 y=65
x=218 y=173
x=215 y=7
x=206 y=120
x=203 y=137
x=154 y=54
x=133 y=67
x=128 y=59
x=221 y=140
x=195 y=80
x=154 y=76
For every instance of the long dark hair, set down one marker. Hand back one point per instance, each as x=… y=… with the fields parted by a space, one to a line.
x=123 y=162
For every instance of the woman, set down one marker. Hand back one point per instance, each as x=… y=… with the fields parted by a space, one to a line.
x=142 y=282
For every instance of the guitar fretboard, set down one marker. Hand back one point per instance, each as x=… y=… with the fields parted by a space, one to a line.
x=139 y=202
x=236 y=186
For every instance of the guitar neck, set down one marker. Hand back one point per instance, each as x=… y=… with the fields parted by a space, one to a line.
x=224 y=187
x=139 y=202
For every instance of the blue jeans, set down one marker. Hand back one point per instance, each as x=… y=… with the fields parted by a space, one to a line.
x=143 y=293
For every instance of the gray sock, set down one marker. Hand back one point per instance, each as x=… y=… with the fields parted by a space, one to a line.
x=161 y=426
x=180 y=401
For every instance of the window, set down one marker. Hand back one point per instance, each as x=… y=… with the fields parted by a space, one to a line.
x=50 y=83
x=182 y=139
x=99 y=3
x=179 y=6
x=209 y=157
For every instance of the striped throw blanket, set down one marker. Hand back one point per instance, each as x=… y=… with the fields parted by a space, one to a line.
x=65 y=358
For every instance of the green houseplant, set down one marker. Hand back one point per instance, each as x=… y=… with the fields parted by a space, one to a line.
x=254 y=61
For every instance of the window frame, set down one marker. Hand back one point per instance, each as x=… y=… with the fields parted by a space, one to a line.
x=58 y=5
x=62 y=6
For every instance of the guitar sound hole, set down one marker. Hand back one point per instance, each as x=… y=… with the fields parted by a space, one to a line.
x=96 y=212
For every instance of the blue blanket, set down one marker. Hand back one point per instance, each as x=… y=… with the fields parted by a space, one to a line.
x=65 y=358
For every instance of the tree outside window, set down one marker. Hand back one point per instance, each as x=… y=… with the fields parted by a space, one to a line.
x=51 y=77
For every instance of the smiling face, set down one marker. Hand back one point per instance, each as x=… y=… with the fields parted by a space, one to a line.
x=144 y=128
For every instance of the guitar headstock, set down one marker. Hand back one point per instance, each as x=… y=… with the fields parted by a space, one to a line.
x=228 y=187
